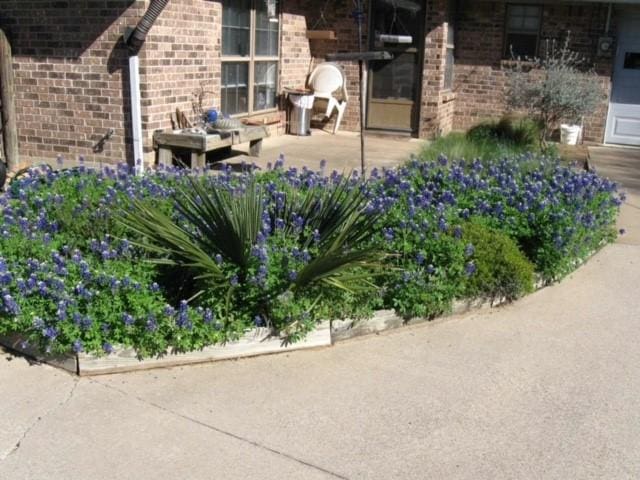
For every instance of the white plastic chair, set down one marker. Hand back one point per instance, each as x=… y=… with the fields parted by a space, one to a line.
x=325 y=80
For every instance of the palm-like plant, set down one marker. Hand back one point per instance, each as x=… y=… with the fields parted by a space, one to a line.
x=216 y=221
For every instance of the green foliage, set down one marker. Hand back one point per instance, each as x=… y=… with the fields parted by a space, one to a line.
x=558 y=87
x=502 y=270
x=488 y=141
x=215 y=234
x=90 y=261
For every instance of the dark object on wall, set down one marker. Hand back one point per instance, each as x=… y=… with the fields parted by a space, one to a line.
x=138 y=36
x=605 y=47
x=3 y=174
x=99 y=146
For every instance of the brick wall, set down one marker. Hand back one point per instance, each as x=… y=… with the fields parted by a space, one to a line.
x=300 y=55
x=181 y=57
x=69 y=75
x=481 y=82
x=437 y=104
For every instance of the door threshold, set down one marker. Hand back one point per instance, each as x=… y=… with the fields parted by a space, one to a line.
x=389 y=133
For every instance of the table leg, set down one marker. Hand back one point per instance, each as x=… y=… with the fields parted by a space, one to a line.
x=198 y=159
x=255 y=147
x=165 y=156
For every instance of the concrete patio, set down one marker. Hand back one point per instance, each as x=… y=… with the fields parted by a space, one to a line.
x=547 y=388
x=340 y=151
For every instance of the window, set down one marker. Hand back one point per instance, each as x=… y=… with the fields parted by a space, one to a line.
x=450 y=55
x=250 y=45
x=523 y=30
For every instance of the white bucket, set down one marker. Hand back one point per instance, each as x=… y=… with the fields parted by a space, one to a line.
x=570 y=134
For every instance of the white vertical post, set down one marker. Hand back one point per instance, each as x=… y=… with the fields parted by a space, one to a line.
x=136 y=113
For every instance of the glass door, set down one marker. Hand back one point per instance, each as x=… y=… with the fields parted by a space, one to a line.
x=394 y=85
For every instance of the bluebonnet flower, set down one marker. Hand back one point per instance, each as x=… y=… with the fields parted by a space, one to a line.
x=469 y=250
x=293 y=275
x=457 y=232
x=154 y=287
x=431 y=269
x=420 y=258
x=183 y=316
x=151 y=324
x=207 y=316
x=234 y=281
x=127 y=319
x=107 y=347
x=218 y=259
x=78 y=346
x=470 y=268
x=10 y=305
x=50 y=333
x=388 y=234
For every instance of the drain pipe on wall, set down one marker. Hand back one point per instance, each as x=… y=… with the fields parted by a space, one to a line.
x=134 y=39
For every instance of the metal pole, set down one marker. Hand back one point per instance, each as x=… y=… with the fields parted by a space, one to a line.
x=363 y=87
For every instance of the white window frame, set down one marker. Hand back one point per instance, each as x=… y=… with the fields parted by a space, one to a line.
x=251 y=60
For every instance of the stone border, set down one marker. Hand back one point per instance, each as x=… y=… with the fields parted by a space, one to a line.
x=254 y=343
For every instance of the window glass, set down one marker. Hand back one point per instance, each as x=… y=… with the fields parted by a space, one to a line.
x=235 y=91
x=395 y=79
x=266 y=32
x=265 y=85
x=236 y=27
x=523 y=25
x=393 y=18
x=632 y=60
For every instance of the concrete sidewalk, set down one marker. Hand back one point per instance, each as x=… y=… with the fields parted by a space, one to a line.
x=547 y=388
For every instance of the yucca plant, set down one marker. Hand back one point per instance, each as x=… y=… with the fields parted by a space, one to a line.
x=216 y=226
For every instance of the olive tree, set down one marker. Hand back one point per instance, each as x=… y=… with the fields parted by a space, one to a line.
x=558 y=86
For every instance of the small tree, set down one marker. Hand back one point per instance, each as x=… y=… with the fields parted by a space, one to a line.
x=560 y=86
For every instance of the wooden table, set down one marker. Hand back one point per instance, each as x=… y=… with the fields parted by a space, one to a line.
x=200 y=144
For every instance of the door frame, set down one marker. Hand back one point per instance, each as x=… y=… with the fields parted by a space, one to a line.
x=622 y=11
x=419 y=77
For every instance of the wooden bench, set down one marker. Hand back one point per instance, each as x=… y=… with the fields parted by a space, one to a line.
x=200 y=144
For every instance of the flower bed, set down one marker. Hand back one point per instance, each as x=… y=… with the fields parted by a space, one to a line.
x=176 y=261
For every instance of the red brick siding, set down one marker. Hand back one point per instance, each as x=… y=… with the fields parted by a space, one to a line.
x=181 y=56
x=481 y=81
x=69 y=75
x=437 y=105
x=300 y=55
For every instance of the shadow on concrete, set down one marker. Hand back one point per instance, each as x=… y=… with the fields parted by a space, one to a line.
x=619 y=164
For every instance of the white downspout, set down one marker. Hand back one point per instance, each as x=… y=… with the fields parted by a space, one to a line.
x=136 y=113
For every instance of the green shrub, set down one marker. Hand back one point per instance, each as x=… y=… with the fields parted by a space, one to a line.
x=519 y=133
x=490 y=141
x=502 y=270
x=560 y=86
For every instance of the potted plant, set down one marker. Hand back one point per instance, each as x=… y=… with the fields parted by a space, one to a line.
x=557 y=90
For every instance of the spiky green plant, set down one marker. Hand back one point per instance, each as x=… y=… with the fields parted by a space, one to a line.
x=213 y=220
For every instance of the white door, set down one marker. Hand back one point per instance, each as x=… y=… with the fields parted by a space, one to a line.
x=623 y=122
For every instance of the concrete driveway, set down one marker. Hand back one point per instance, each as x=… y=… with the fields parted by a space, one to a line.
x=547 y=388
